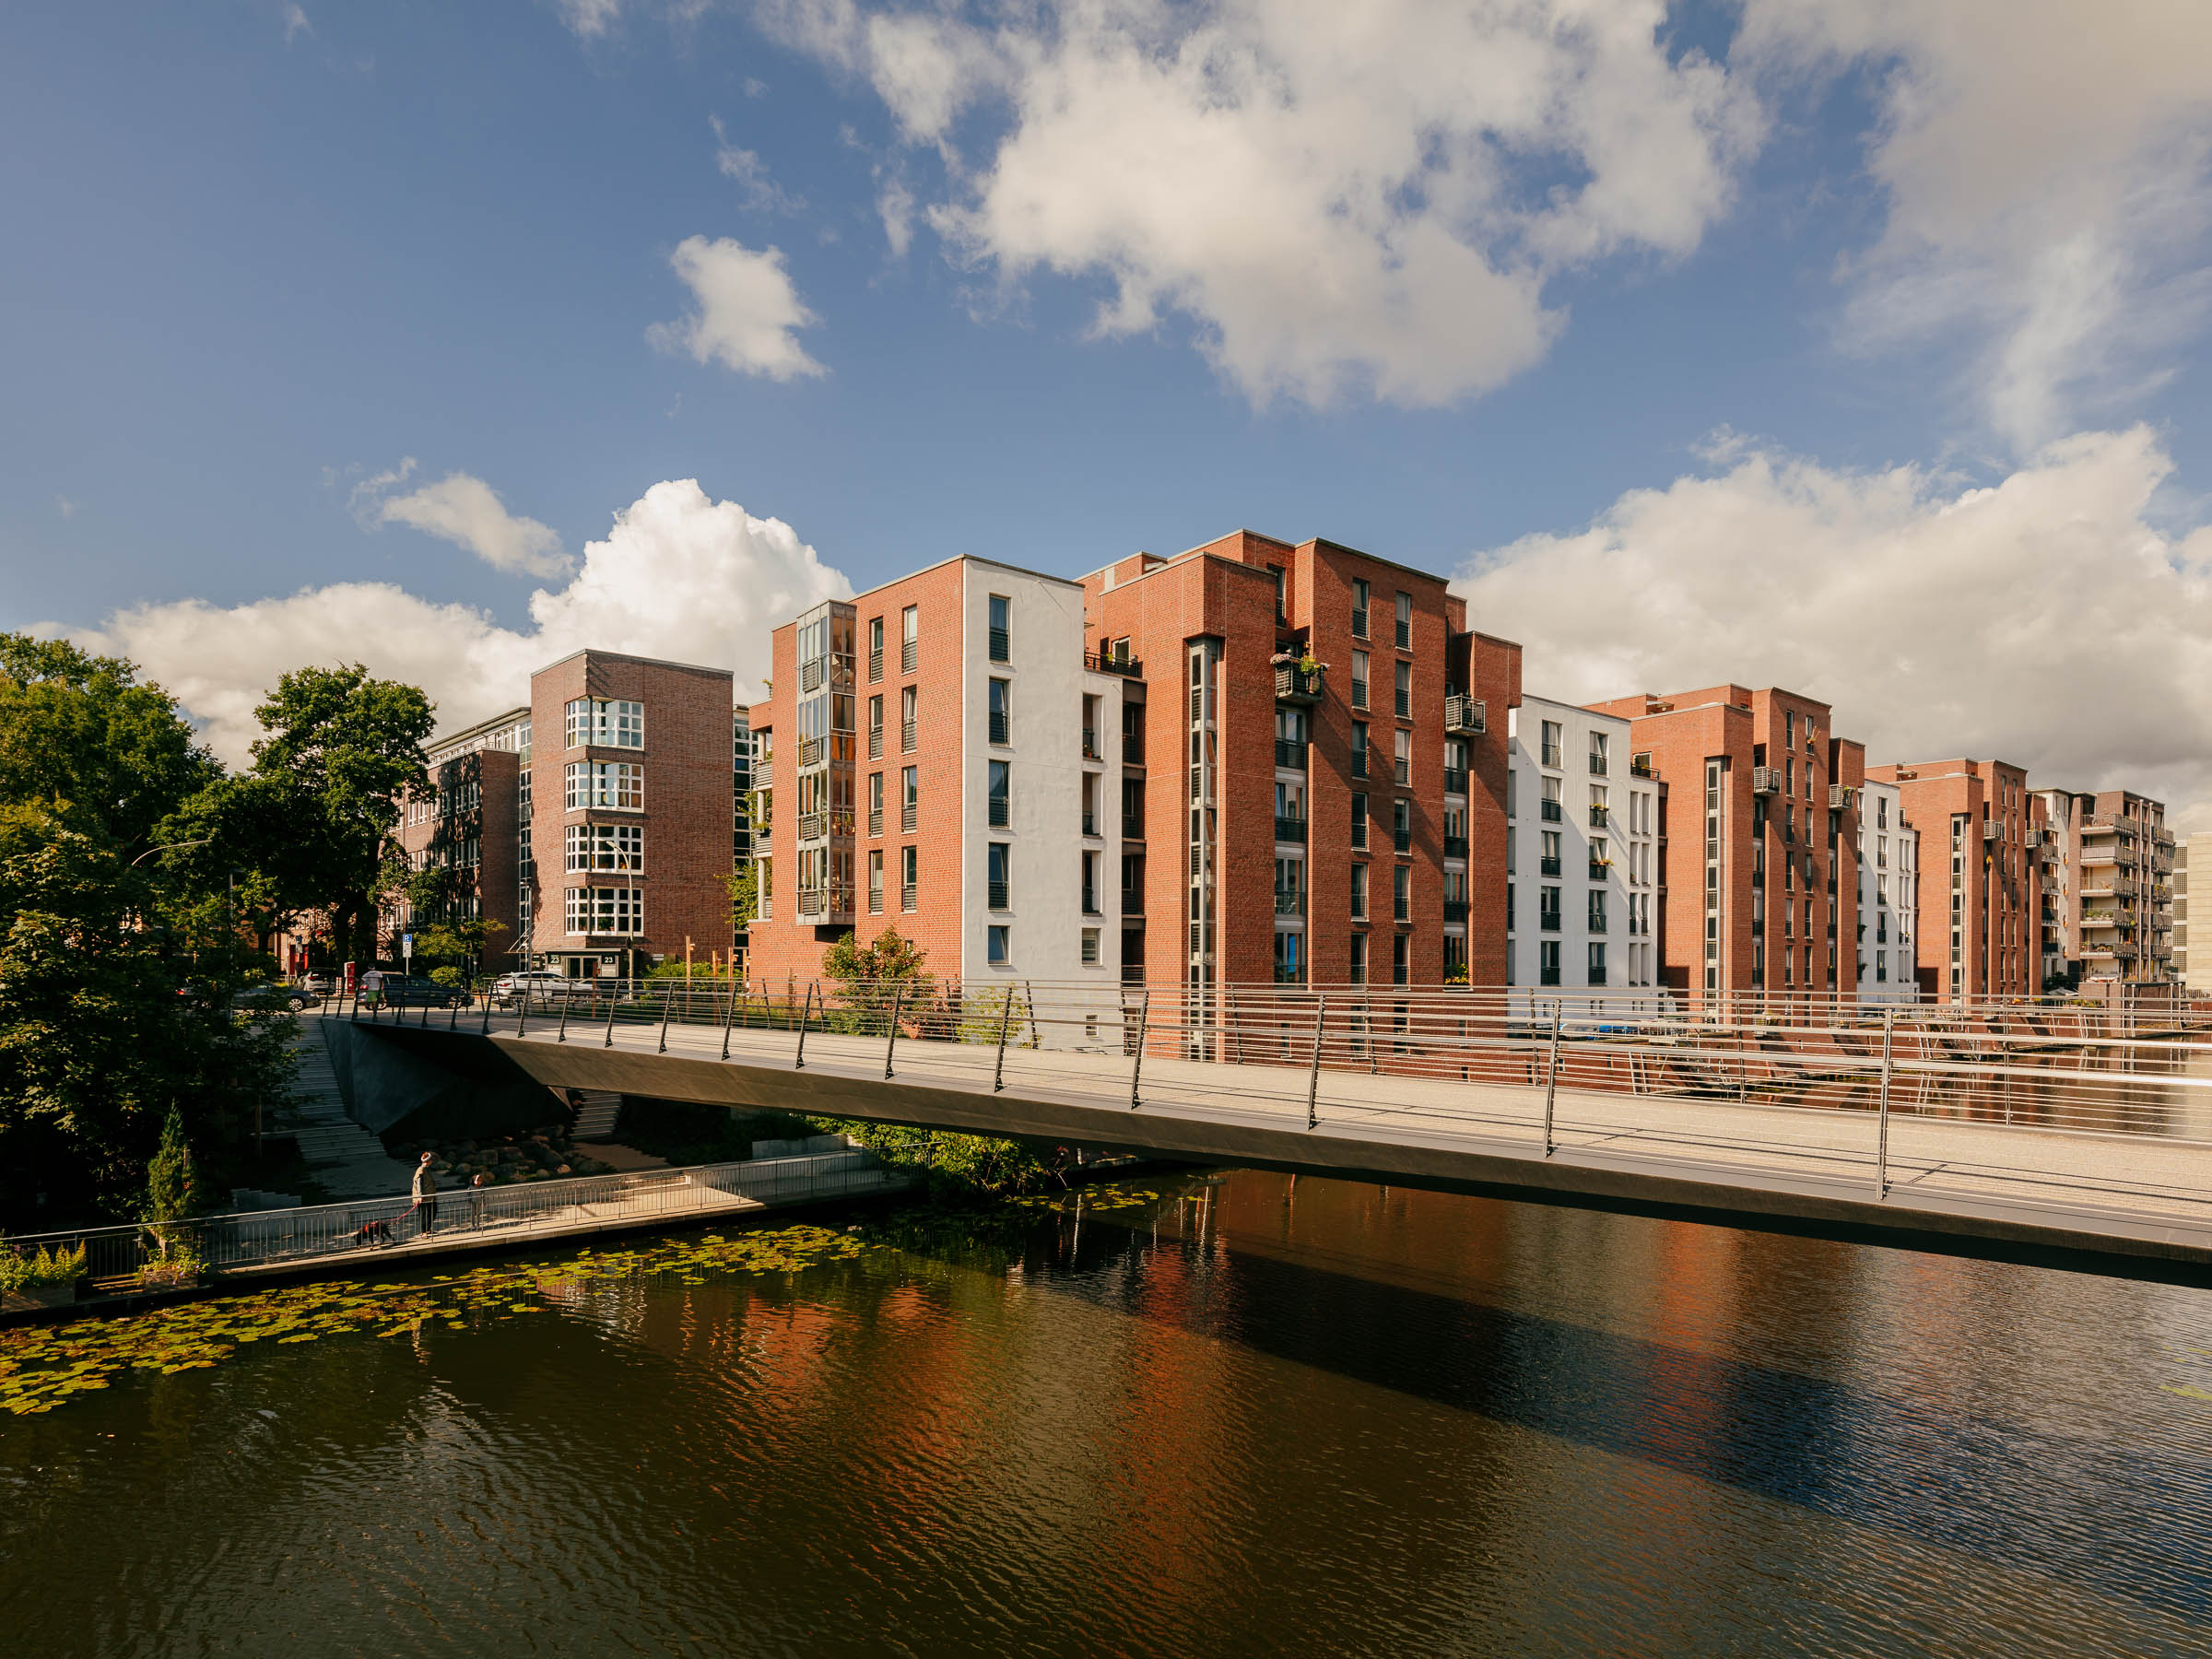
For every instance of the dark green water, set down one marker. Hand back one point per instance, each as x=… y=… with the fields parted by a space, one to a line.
x=1327 y=1418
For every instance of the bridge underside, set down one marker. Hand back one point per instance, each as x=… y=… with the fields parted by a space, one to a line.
x=1598 y=1163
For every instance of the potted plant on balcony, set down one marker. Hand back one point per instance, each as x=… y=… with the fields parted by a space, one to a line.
x=44 y=1279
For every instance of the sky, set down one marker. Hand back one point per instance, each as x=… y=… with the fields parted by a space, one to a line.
x=1856 y=347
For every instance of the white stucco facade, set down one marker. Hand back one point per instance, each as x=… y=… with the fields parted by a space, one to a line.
x=1888 y=887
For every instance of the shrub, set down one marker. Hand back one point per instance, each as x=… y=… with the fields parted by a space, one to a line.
x=50 y=1266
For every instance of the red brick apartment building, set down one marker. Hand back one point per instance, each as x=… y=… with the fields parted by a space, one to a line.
x=1026 y=746
x=1981 y=881
x=628 y=806
x=1760 y=887
x=470 y=827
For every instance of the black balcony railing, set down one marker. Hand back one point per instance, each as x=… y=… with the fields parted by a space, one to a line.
x=1547 y=866
x=1402 y=770
x=1001 y=726
x=998 y=896
x=1358 y=694
x=1552 y=813
x=1548 y=920
x=1090 y=901
x=1132 y=903
x=1105 y=662
x=1000 y=646
x=1090 y=823
x=1358 y=835
x=1402 y=837
x=1133 y=826
x=1456 y=780
x=1290 y=755
x=1289 y=828
x=909 y=653
x=1091 y=745
x=1455 y=910
x=1359 y=762
x=1455 y=846
x=1405 y=636
x=1402 y=699
x=1133 y=749
x=1359 y=622
x=1002 y=812
x=1549 y=974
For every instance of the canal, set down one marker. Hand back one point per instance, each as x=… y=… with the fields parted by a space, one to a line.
x=1244 y=1416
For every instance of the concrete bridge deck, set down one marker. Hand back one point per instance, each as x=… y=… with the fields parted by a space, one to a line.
x=2119 y=1201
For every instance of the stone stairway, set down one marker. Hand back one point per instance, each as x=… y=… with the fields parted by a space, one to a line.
x=595 y=1113
x=346 y=1159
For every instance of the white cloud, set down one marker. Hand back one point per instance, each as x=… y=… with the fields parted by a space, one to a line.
x=1343 y=199
x=2045 y=165
x=679 y=576
x=463 y=510
x=588 y=19
x=2044 y=619
x=296 y=23
x=747 y=311
x=758 y=193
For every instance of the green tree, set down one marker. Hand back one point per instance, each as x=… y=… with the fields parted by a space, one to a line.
x=743 y=883
x=344 y=752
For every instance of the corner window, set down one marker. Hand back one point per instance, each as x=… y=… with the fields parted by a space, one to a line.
x=606 y=723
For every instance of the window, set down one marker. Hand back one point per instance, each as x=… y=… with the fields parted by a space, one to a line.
x=1512 y=793
x=910 y=798
x=609 y=910
x=1001 y=637
x=1405 y=636
x=1597 y=754
x=1401 y=893
x=606 y=847
x=874 y=802
x=998 y=872
x=1597 y=913
x=1551 y=743
x=876 y=877
x=876 y=727
x=1359 y=679
x=1092 y=906
x=1401 y=959
x=910 y=638
x=1548 y=909
x=1289 y=965
x=1090 y=947
x=1597 y=805
x=1002 y=712
x=1404 y=689
x=875 y=650
x=1357 y=960
x=608 y=785
x=1001 y=794
x=1549 y=844
x=1600 y=866
x=1597 y=964
x=1358 y=749
x=1358 y=892
x=1359 y=821
x=1359 y=607
x=910 y=715
x=909 y=878
x=1289 y=887
x=1402 y=760
x=996 y=936
x=1547 y=962
x=606 y=723
x=1401 y=826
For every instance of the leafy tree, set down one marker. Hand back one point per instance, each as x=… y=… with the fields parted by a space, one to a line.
x=889 y=967
x=347 y=752
x=743 y=883
x=171 y=1189
x=82 y=738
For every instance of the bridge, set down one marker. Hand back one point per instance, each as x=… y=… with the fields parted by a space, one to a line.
x=2069 y=1135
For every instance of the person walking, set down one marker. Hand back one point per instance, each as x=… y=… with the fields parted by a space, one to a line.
x=426 y=1195
x=476 y=1201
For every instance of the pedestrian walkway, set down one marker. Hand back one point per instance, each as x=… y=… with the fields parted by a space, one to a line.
x=346 y=1160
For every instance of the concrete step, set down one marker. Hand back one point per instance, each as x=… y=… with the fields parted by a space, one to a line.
x=596 y=1115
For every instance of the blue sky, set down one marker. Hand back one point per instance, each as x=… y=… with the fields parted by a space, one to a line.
x=1575 y=298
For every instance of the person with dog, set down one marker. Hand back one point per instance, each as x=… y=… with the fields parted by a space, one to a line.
x=426 y=1195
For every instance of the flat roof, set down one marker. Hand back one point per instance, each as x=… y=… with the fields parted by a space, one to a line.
x=996 y=564
x=624 y=656
x=448 y=738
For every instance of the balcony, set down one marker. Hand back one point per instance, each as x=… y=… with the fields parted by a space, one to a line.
x=1090 y=823
x=1600 y=869
x=1456 y=910
x=1001 y=727
x=1002 y=812
x=1599 y=817
x=1842 y=797
x=1640 y=766
x=1547 y=866
x=1289 y=828
x=1132 y=903
x=1466 y=714
x=2108 y=823
x=1296 y=684
x=1548 y=920
x=1597 y=763
x=1101 y=663
x=1001 y=646
x=910 y=655
x=1455 y=781
x=810 y=752
x=1290 y=902
x=1133 y=749
x=814 y=826
x=1553 y=813
x=1766 y=780
x=1133 y=826
x=907 y=815
x=1597 y=924
x=1992 y=829
x=830 y=903
x=1289 y=755
x=1455 y=846
x=1090 y=744
x=2098 y=855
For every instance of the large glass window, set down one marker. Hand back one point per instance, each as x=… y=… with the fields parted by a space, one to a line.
x=619 y=847
x=607 y=909
x=611 y=785
x=606 y=721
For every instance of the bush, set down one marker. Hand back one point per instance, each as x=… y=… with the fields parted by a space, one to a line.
x=452 y=979
x=18 y=1272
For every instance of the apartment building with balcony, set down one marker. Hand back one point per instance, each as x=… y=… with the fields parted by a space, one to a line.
x=741 y=813
x=2193 y=969
x=1326 y=740
x=1980 y=892
x=629 y=812
x=1759 y=833
x=2108 y=887
x=1581 y=866
x=938 y=757
x=474 y=825
x=1889 y=918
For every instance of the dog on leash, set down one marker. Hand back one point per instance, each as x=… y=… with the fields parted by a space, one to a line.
x=373 y=1232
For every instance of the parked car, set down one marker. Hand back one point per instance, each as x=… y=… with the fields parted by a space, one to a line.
x=543 y=987
x=295 y=997
x=410 y=991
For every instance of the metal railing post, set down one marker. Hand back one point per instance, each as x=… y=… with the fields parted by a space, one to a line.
x=453 y=1020
x=614 y=1000
x=563 y=1035
x=799 y=1060
x=1881 y=1149
x=1030 y=997
x=1551 y=1076
x=485 y=1031
x=522 y=1009
x=667 y=1003
x=729 y=1016
x=1136 y=1072
x=1321 y=1015
x=1006 y=1018
x=890 y=1044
